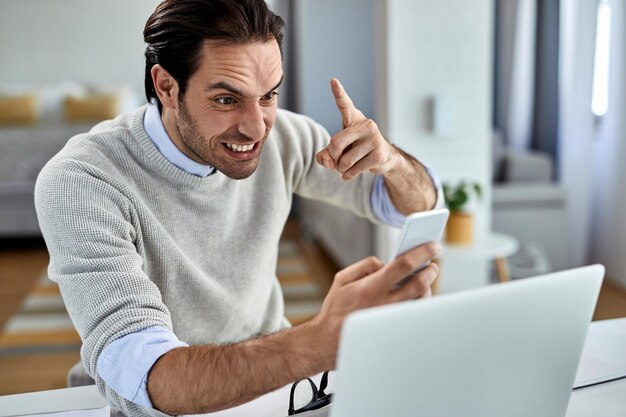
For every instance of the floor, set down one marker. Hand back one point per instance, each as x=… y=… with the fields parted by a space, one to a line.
x=44 y=364
x=611 y=303
x=37 y=370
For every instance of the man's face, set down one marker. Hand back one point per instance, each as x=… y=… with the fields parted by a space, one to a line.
x=230 y=105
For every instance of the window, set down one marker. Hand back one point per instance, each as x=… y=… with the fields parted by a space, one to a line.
x=600 y=95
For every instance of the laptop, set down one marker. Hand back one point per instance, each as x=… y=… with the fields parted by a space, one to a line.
x=503 y=350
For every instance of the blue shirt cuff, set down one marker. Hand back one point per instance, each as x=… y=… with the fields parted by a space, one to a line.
x=383 y=208
x=124 y=364
x=386 y=211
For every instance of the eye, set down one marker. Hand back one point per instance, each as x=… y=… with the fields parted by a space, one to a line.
x=270 y=96
x=225 y=101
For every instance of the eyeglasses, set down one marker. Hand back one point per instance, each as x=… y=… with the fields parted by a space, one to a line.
x=318 y=400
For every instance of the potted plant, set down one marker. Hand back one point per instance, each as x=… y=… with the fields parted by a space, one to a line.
x=460 y=227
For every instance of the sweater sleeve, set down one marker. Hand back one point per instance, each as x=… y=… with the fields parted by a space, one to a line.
x=87 y=224
x=300 y=138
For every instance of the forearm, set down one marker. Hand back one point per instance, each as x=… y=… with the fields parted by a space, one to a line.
x=409 y=186
x=201 y=379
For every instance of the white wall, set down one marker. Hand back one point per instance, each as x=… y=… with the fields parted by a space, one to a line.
x=334 y=39
x=393 y=56
x=576 y=135
x=440 y=48
x=609 y=232
x=43 y=41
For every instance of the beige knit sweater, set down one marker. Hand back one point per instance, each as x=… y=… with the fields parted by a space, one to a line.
x=136 y=242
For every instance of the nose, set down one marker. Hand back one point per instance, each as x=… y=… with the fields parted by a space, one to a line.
x=252 y=123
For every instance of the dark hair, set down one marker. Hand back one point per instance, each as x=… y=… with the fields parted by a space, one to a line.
x=177 y=29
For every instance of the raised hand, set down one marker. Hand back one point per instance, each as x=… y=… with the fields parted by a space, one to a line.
x=359 y=146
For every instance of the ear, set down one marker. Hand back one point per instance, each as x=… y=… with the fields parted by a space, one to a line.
x=165 y=86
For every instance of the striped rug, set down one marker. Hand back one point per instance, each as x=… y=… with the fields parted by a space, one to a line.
x=303 y=294
x=40 y=325
x=43 y=325
x=38 y=343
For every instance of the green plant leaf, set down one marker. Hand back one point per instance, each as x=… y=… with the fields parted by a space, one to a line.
x=457 y=195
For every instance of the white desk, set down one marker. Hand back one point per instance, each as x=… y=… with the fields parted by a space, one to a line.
x=606 y=400
x=79 y=402
x=604 y=357
x=604 y=354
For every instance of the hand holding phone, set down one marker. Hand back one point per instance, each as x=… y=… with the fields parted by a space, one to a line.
x=420 y=228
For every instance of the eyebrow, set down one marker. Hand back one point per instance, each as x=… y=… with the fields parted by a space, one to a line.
x=221 y=85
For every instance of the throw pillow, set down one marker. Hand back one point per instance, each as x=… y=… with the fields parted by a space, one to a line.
x=95 y=107
x=20 y=109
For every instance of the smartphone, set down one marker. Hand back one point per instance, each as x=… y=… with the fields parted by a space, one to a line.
x=420 y=228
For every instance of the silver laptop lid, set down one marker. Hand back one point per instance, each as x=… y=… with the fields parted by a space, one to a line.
x=503 y=350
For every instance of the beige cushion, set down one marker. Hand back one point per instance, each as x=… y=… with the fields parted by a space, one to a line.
x=18 y=109
x=94 y=107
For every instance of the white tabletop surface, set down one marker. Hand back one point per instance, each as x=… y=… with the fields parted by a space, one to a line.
x=494 y=245
x=604 y=358
x=604 y=354
x=606 y=400
x=72 y=401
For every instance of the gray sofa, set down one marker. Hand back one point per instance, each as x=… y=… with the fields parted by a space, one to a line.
x=23 y=152
x=529 y=205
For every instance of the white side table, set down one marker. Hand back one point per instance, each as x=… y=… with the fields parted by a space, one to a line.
x=494 y=247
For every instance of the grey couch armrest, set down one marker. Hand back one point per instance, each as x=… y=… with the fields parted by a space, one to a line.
x=527 y=166
x=525 y=196
x=17 y=210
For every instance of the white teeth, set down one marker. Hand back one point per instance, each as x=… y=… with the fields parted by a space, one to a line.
x=239 y=148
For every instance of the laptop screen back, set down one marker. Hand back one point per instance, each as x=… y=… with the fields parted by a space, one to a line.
x=504 y=350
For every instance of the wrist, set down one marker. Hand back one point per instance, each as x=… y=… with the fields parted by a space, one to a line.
x=319 y=344
x=408 y=173
x=399 y=165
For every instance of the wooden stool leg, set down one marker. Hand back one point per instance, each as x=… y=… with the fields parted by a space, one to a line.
x=502 y=269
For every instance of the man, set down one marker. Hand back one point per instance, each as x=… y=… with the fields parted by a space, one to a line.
x=163 y=224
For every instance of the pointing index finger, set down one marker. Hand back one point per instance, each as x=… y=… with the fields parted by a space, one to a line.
x=349 y=113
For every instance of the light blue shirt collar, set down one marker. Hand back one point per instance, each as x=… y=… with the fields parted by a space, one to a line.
x=156 y=131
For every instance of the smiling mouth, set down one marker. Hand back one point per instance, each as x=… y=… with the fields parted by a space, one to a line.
x=240 y=148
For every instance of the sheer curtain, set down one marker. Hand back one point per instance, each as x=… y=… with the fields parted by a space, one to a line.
x=527 y=70
x=514 y=70
x=609 y=186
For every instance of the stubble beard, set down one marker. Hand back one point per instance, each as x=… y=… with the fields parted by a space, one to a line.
x=199 y=149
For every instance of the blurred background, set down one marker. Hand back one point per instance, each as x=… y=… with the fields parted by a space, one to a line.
x=524 y=98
